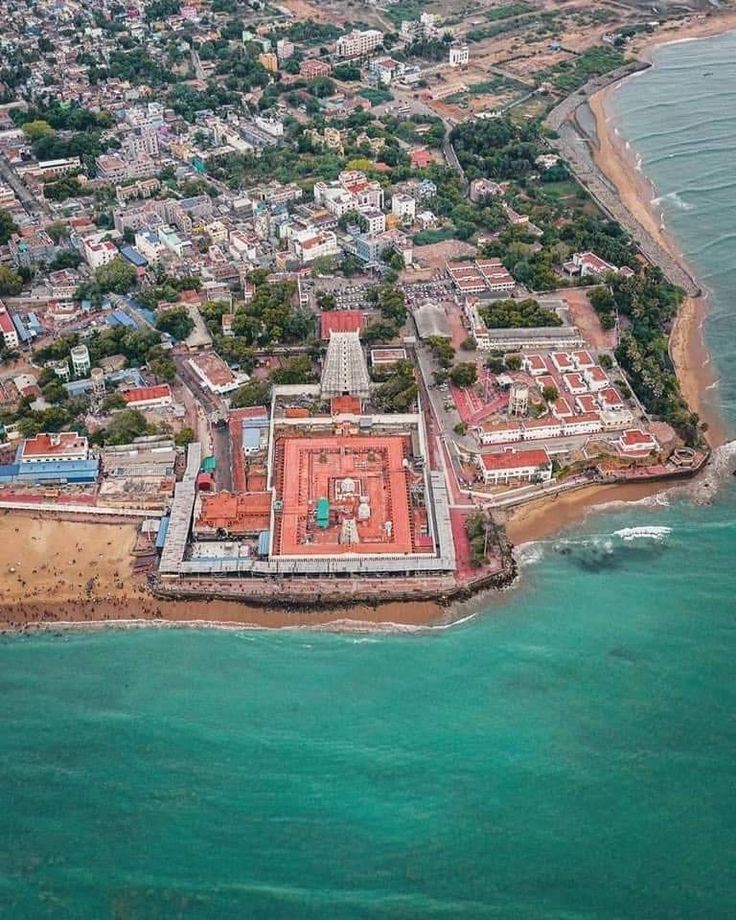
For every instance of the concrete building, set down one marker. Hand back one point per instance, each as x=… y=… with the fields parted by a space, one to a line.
x=48 y=448
x=358 y=43
x=404 y=207
x=7 y=329
x=98 y=252
x=345 y=372
x=81 y=363
x=214 y=374
x=523 y=465
x=459 y=55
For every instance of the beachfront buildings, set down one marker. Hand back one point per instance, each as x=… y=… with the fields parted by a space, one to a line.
x=509 y=466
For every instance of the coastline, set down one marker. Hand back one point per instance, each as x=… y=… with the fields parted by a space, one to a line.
x=688 y=350
x=102 y=593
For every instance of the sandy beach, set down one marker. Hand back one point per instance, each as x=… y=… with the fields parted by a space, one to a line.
x=687 y=345
x=54 y=571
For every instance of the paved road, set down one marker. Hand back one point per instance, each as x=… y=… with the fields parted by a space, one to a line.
x=33 y=206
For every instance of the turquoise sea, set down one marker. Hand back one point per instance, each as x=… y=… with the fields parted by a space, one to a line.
x=570 y=754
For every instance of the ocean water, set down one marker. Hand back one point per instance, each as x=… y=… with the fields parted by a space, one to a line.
x=680 y=117
x=570 y=754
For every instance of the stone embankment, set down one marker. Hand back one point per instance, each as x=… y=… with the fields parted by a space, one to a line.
x=576 y=146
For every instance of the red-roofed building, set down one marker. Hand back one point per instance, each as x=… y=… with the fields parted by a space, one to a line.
x=61 y=445
x=527 y=465
x=582 y=360
x=340 y=321
x=345 y=405
x=148 y=397
x=596 y=378
x=586 y=403
x=420 y=158
x=562 y=361
x=239 y=514
x=610 y=398
x=535 y=365
x=637 y=443
x=7 y=329
x=561 y=408
x=575 y=384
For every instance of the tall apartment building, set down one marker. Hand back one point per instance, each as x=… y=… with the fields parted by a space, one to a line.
x=357 y=43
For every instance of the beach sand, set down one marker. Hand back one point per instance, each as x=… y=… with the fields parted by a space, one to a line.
x=540 y=519
x=54 y=571
x=687 y=345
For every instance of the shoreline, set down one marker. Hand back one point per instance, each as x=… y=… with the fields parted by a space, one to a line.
x=688 y=350
x=55 y=603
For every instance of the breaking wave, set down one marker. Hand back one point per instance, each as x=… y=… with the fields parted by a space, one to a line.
x=643 y=533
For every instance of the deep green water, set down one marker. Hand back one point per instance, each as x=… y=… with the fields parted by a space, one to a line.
x=570 y=754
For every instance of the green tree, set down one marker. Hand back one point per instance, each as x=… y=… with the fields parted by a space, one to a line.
x=177 y=323
x=550 y=393
x=184 y=437
x=117 y=277
x=7 y=226
x=11 y=282
x=253 y=393
x=464 y=374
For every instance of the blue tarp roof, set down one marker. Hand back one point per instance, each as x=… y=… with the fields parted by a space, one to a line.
x=264 y=538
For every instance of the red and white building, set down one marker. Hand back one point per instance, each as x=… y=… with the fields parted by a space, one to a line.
x=596 y=378
x=99 y=252
x=562 y=361
x=7 y=328
x=610 y=399
x=535 y=365
x=157 y=397
x=48 y=448
x=524 y=465
x=574 y=384
x=637 y=443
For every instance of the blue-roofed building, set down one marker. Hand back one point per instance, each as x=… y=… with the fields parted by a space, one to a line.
x=134 y=257
x=8 y=472
x=78 y=472
x=264 y=539
x=120 y=318
x=163 y=529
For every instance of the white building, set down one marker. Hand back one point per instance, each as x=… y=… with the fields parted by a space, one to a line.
x=404 y=207
x=98 y=252
x=526 y=465
x=310 y=245
x=357 y=43
x=459 y=55
x=7 y=328
x=81 y=363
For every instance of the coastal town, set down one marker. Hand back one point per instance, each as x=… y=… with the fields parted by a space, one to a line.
x=316 y=297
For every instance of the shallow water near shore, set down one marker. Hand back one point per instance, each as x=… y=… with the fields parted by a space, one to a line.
x=568 y=754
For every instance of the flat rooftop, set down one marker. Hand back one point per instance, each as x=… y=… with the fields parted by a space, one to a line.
x=345 y=494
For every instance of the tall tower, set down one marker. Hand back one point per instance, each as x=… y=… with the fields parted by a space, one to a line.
x=81 y=363
x=518 y=399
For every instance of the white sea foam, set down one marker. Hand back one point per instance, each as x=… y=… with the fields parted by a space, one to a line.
x=643 y=533
x=529 y=554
